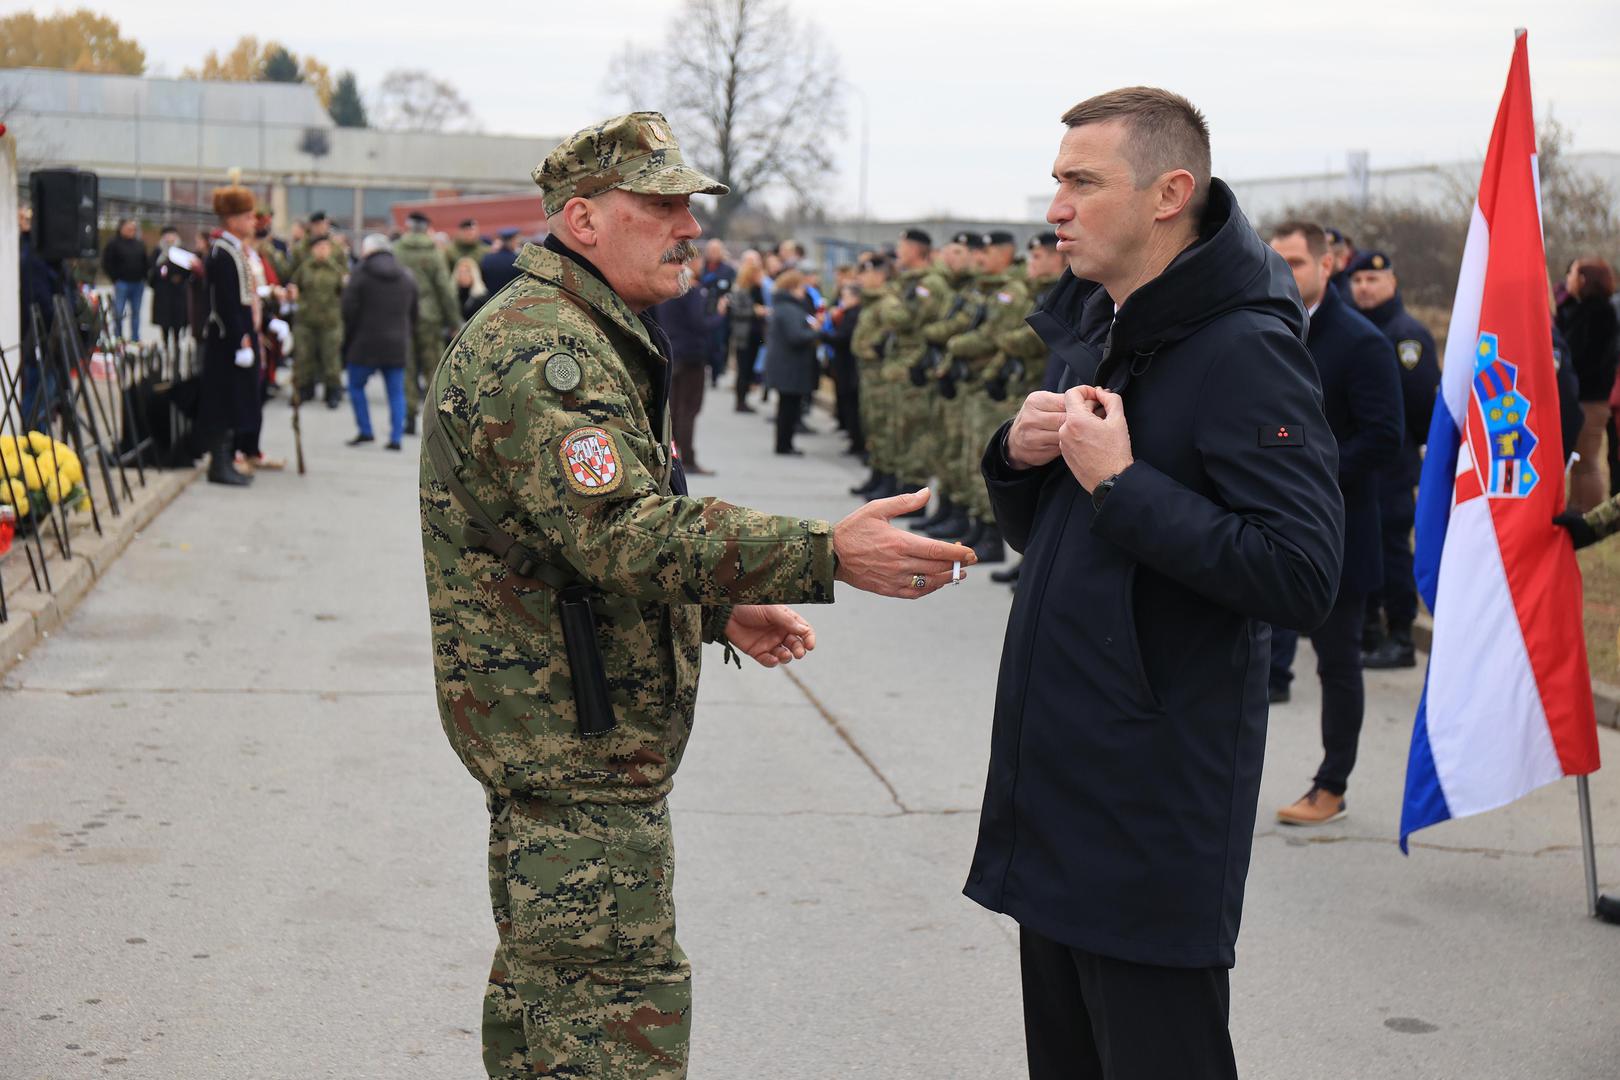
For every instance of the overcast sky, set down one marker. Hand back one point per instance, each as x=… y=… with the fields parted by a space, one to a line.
x=963 y=96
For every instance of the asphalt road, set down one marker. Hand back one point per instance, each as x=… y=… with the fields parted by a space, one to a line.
x=234 y=843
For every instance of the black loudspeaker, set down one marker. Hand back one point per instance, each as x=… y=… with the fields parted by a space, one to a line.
x=65 y=213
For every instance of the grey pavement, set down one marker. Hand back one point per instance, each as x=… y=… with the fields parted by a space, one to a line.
x=234 y=843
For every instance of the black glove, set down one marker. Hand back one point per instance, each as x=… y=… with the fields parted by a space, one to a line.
x=1580 y=532
x=919 y=373
x=996 y=388
x=947 y=385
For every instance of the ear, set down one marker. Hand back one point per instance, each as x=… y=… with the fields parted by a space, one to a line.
x=579 y=215
x=1175 y=192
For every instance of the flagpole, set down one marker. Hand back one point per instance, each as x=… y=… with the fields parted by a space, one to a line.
x=1598 y=906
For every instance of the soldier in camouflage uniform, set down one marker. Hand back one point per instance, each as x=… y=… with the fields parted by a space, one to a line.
x=867 y=344
x=320 y=228
x=465 y=245
x=917 y=297
x=318 y=329
x=1006 y=301
x=942 y=437
x=1020 y=366
x=438 y=312
x=547 y=483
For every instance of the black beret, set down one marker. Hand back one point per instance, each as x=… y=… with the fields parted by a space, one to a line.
x=1043 y=240
x=970 y=240
x=917 y=236
x=1370 y=260
x=317 y=216
x=417 y=215
x=999 y=237
x=468 y=223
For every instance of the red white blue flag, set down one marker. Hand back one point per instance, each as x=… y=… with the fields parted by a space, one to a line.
x=1507 y=704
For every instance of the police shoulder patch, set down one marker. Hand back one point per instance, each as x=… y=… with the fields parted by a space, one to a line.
x=1410 y=351
x=562 y=372
x=590 y=461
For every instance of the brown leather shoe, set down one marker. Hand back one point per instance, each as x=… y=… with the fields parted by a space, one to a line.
x=1315 y=807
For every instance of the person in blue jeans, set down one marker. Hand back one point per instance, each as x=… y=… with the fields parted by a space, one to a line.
x=379 y=325
x=125 y=262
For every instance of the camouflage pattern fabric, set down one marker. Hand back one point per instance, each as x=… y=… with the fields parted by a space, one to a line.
x=945 y=452
x=318 y=329
x=548 y=391
x=301 y=254
x=1022 y=348
x=1604 y=518
x=918 y=297
x=636 y=152
x=1007 y=304
x=867 y=345
x=438 y=312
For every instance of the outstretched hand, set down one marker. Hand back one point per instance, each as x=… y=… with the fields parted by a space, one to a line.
x=770 y=633
x=876 y=557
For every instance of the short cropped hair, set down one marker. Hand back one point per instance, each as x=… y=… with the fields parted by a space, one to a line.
x=1316 y=241
x=1166 y=133
x=788 y=280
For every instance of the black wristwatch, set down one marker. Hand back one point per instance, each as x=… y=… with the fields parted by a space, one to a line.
x=1100 y=492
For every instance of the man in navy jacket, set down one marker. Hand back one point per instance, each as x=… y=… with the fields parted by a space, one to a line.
x=1361 y=395
x=1179 y=498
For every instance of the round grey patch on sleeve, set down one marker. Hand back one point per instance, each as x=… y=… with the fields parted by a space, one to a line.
x=562 y=373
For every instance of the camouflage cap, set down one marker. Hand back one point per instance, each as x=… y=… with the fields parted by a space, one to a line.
x=636 y=152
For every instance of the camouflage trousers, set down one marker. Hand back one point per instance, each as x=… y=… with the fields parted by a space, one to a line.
x=952 y=484
x=588 y=981
x=908 y=420
x=982 y=415
x=317 y=355
x=426 y=349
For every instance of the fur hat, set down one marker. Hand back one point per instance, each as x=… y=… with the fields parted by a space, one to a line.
x=232 y=200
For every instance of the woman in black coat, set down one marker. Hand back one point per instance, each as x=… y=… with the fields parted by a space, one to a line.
x=790 y=355
x=747 y=324
x=379 y=324
x=1588 y=323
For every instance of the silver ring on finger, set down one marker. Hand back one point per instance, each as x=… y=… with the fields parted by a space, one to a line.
x=918 y=581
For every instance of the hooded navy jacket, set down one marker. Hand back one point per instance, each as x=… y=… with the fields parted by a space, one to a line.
x=1130 y=717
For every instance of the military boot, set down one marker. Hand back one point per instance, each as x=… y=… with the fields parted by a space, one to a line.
x=952 y=527
x=1397 y=651
x=873 y=479
x=973 y=534
x=886 y=487
x=942 y=514
x=989 y=548
x=1007 y=576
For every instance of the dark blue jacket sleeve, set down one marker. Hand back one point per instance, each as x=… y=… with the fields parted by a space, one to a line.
x=1418 y=387
x=1014 y=493
x=1268 y=542
x=1374 y=390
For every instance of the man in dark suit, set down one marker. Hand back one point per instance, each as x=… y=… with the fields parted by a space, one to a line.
x=1361 y=395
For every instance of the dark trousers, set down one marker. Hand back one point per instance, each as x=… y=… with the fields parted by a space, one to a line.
x=847 y=381
x=788 y=408
x=686 y=386
x=1090 y=1017
x=1338 y=664
x=745 y=356
x=1398 y=598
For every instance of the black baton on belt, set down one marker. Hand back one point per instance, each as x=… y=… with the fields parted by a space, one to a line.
x=591 y=699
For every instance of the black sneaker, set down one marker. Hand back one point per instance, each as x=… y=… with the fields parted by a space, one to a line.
x=393 y=446
x=1393 y=653
x=361 y=440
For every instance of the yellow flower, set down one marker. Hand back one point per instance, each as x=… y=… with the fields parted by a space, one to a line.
x=39 y=441
x=13 y=493
x=30 y=474
x=10 y=457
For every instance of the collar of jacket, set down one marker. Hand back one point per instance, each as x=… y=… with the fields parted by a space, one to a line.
x=568 y=270
x=1384 y=313
x=1227 y=269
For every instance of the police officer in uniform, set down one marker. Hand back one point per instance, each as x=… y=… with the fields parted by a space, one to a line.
x=571 y=584
x=1393 y=608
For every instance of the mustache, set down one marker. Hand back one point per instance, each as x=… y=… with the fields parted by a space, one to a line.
x=685 y=251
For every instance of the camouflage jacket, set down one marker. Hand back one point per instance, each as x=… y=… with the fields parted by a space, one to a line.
x=320 y=291
x=959 y=313
x=549 y=394
x=299 y=255
x=1006 y=303
x=457 y=250
x=1023 y=353
x=867 y=341
x=915 y=299
x=436 y=299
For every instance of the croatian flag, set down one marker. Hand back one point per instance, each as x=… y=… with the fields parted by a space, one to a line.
x=1507 y=705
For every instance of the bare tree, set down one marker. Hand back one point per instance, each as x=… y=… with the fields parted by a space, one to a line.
x=755 y=97
x=413 y=100
x=1577 y=207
